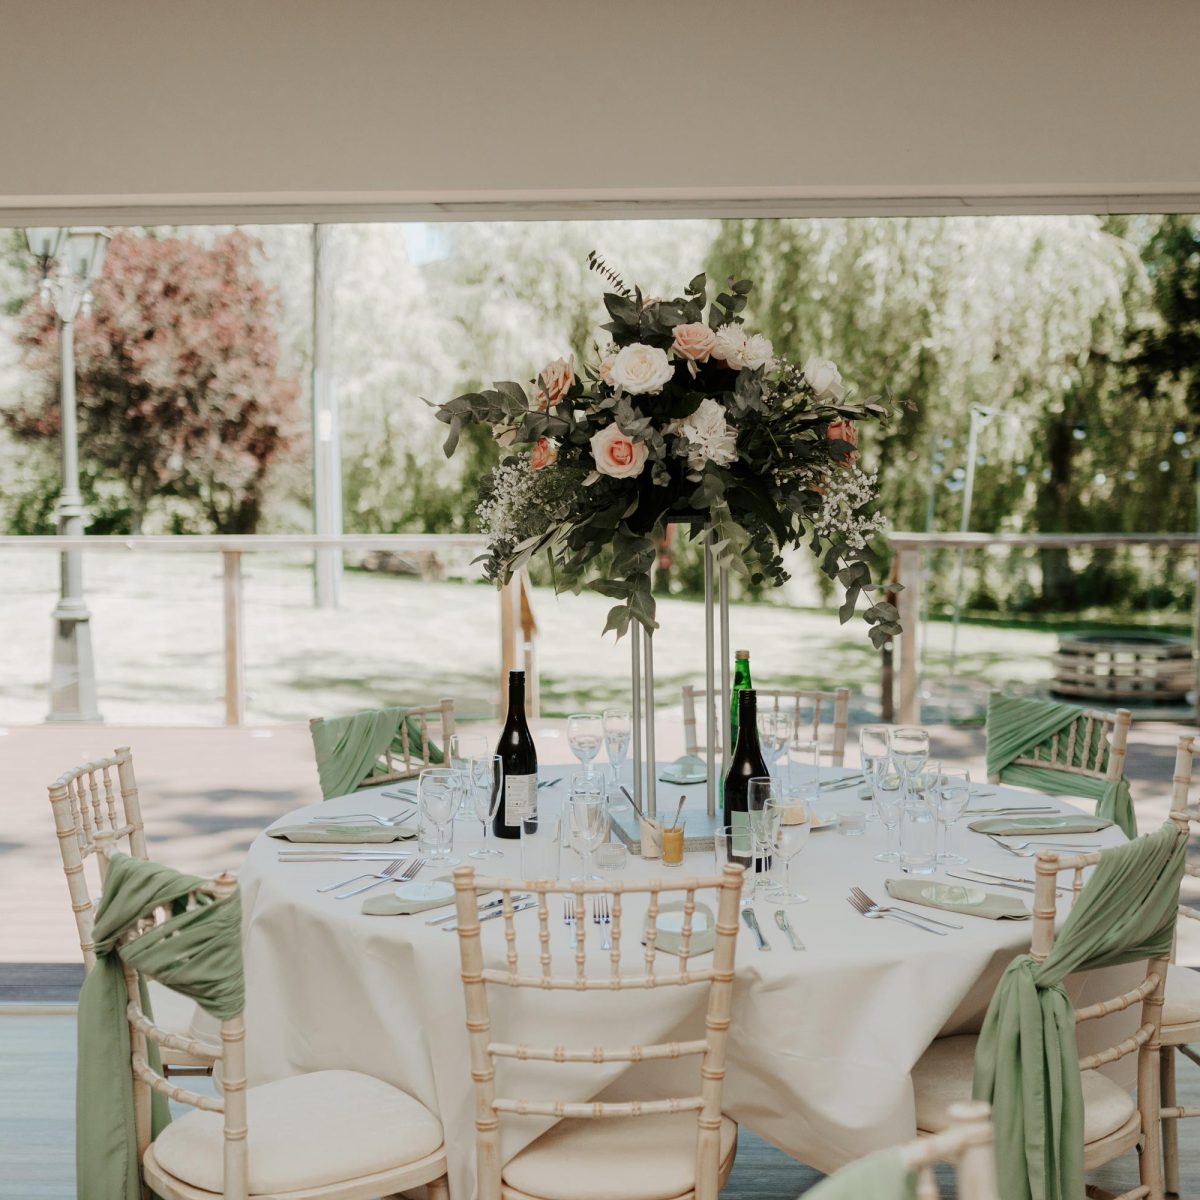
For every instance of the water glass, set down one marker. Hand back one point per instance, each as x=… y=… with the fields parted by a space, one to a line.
x=918 y=836
x=951 y=796
x=585 y=734
x=587 y=821
x=774 y=734
x=612 y=857
x=733 y=844
x=618 y=729
x=439 y=794
x=873 y=749
x=763 y=819
x=485 y=774
x=909 y=749
x=793 y=824
x=887 y=795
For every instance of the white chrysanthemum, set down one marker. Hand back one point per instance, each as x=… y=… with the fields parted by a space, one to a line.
x=641 y=370
x=709 y=437
x=737 y=349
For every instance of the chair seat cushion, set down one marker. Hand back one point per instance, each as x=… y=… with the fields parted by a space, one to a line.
x=1181 y=1005
x=946 y=1072
x=305 y=1132
x=625 y=1158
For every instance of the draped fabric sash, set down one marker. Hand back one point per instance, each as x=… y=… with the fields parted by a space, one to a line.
x=196 y=952
x=1015 y=726
x=347 y=748
x=1027 y=1062
x=879 y=1176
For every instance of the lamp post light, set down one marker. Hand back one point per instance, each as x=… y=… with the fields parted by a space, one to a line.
x=69 y=259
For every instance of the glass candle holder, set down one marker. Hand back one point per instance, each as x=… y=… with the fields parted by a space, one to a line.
x=672 y=846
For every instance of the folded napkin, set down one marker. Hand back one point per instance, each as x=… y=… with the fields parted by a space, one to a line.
x=689 y=768
x=1067 y=823
x=401 y=906
x=702 y=940
x=342 y=832
x=974 y=902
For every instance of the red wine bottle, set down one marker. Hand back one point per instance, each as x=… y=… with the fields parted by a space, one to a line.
x=518 y=795
x=746 y=763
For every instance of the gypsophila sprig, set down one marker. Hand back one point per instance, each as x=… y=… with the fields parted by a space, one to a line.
x=683 y=416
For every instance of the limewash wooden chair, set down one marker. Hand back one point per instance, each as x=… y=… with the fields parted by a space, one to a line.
x=1181 y=1006
x=326 y=1135
x=833 y=705
x=96 y=800
x=683 y=1147
x=966 y=1144
x=1112 y=1122
x=379 y=746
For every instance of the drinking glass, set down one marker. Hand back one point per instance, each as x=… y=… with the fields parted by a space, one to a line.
x=887 y=794
x=774 y=733
x=793 y=825
x=618 y=728
x=951 y=796
x=873 y=749
x=460 y=749
x=587 y=822
x=439 y=793
x=486 y=776
x=763 y=818
x=733 y=844
x=909 y=749
x=918 y=835
x=585 y=733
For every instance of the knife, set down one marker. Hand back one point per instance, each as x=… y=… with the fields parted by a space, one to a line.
x=495 y=912
x=497 y=903
x=782 y=921
x=1040 y=808
x=843 y=781
x=1008 y=878
x=1016 y=887
x=752 y=924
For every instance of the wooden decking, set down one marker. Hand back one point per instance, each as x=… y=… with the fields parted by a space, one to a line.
x=37 y=1090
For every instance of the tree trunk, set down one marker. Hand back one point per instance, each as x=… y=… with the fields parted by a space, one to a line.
x=1059 y=586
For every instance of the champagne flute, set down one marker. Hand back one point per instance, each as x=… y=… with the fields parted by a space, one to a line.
x=618 y=729
x=588 y=821
x=950 y=797
x=585 y=732
x=792 y=827
x=888 y=795
x=486 y=774
x=439 y=793
x=763 y=818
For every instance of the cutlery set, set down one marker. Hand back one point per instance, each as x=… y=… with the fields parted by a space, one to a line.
x=750 y=917
x=861 y=902
x=388 y=873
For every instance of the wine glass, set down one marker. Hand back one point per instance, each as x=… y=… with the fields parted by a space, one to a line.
x=774 y=732
x=460 y=749
x=793 y=823
x=763 y=818
x=909 y=749
x=587 y=821
x=486 y=775
x=439 y=793
x=618 y=728
x=585 y=732
x=887 y=794
x=873 y=748
x=950 y=798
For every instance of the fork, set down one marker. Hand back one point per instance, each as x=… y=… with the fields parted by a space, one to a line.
x=388 y=821
x=1025 y=849
x=601 y=917
x=382 y=877
x=569 y=918
x=391 y=868
x=869 y=908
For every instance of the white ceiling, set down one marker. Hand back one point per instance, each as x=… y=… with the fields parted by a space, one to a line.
x=278 y=109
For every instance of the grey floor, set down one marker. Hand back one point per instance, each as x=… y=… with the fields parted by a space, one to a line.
x=37 y=1068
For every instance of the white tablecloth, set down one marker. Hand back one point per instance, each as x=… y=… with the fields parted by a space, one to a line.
x=822 y=1042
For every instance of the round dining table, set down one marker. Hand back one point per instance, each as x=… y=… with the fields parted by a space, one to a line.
x=822 y=1043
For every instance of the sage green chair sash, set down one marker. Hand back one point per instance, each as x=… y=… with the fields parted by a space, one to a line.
x=1027 y=1062
x=1015 y=726
x=347 y=748
x=197 y=952
x=879 y=1176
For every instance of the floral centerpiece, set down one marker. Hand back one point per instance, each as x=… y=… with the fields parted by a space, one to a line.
x=686 y=416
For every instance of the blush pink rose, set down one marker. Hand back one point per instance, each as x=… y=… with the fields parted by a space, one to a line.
x=618 y=455
x=554 y=382
x=844 y=431
x=694 y=342
x=543 y=454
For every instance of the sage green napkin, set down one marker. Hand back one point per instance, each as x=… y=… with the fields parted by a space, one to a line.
x=702 y=940
x=342 y=833
x=1063 y=824
x=973 y=902
x=391 y=905
x=880 y=1176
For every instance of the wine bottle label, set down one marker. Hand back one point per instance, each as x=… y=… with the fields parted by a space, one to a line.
x=520 y=798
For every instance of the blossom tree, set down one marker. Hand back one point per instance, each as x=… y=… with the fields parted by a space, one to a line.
x=180 y=391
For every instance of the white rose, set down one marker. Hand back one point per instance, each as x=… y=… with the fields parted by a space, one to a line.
x=709 y=437
x=824 y=378
x=641 y=370
x=617 y=454
x=735 y=349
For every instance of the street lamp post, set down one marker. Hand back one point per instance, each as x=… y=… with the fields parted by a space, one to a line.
x=69 y=260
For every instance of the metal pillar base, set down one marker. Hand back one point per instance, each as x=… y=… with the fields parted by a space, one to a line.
x=72 y=666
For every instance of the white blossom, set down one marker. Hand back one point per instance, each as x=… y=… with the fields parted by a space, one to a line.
x=737 y=349
x=846 y=493
x=708 y=436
